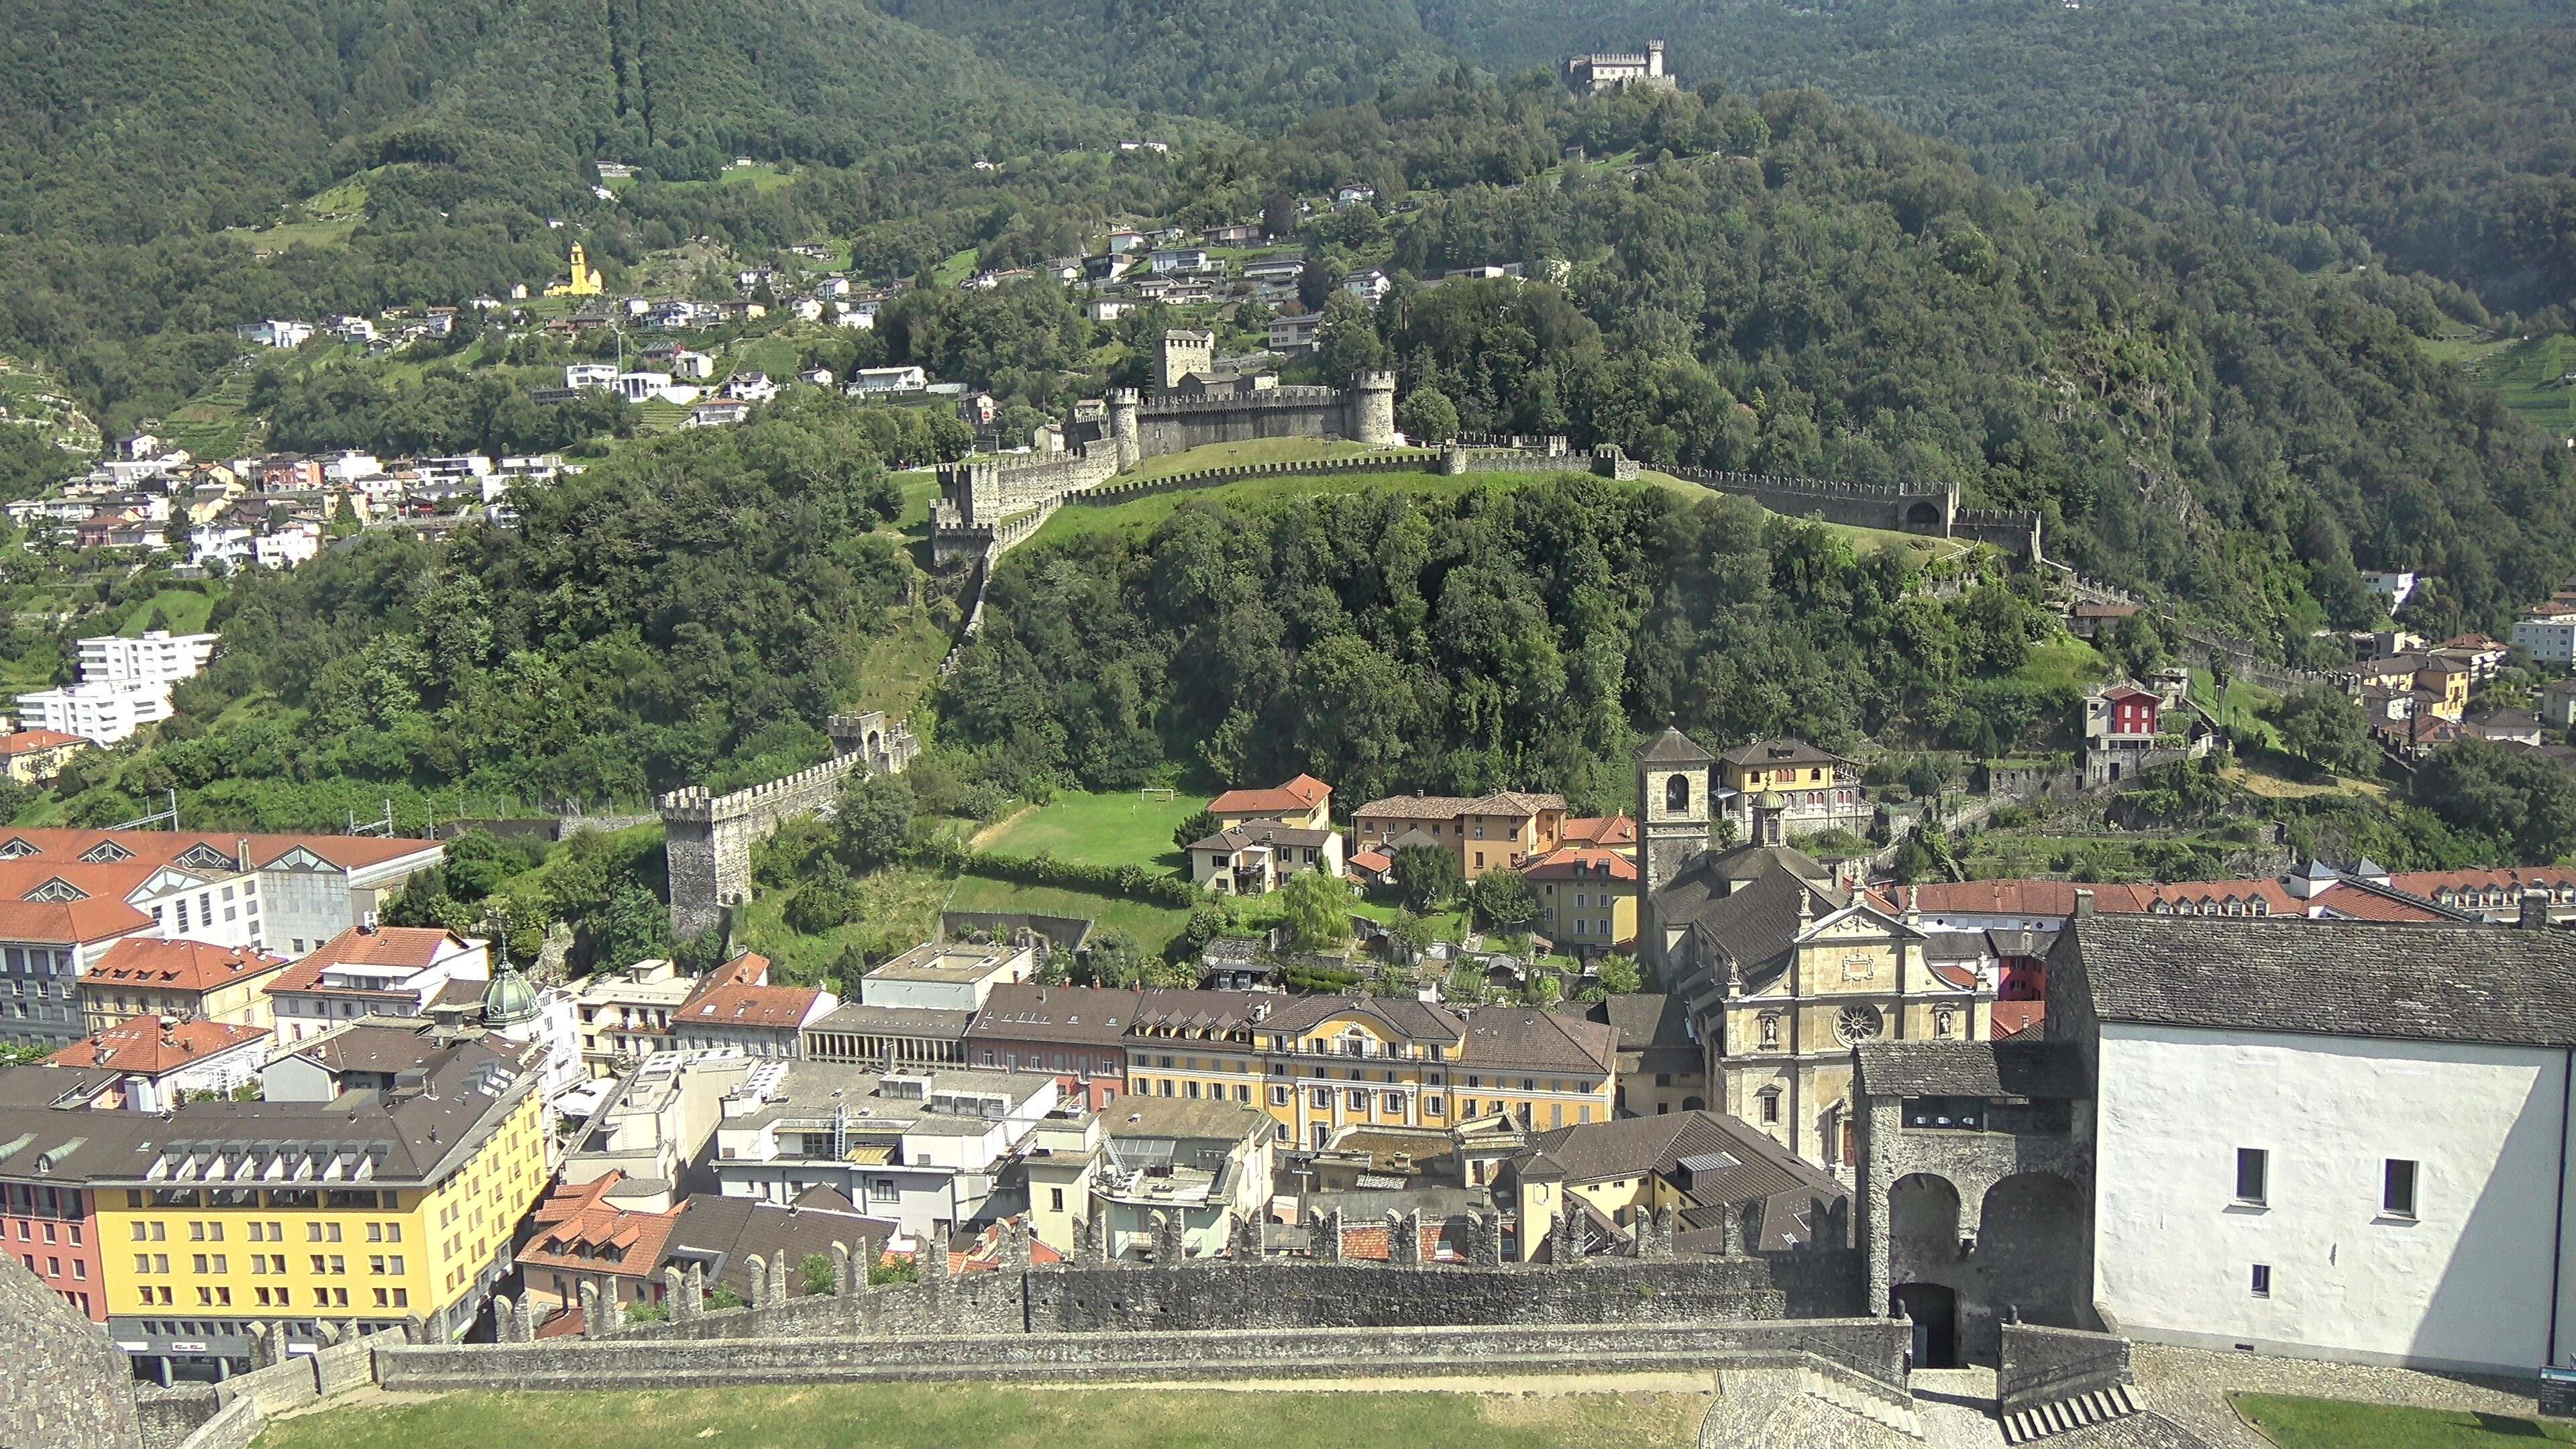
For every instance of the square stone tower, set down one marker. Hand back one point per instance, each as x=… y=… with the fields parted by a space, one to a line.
x=1672 y=821
x=1185 y=350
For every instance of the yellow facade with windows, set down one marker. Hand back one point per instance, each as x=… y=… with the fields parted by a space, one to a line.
x=195 y=1260
x=1322 y=1064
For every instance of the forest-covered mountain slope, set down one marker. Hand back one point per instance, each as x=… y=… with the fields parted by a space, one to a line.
x=2444 y=135
x=125 y=120
x=1257 y=63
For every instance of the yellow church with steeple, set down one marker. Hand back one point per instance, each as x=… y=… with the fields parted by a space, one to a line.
x=585 y=281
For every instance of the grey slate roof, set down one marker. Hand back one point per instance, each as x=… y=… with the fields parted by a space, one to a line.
x=2485 y=984
x=1672 y=747
x=1970 y=1069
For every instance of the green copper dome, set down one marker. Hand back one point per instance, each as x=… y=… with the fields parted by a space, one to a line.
x=509 y=1000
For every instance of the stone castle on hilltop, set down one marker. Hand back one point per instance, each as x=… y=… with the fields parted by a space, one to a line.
x=1596 y=74
x=1197 y=402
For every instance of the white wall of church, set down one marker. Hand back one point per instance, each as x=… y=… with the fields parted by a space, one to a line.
x=2466 y=1283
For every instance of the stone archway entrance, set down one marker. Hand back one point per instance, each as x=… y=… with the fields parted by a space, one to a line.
x=1922 y=516
x=1934 y=1307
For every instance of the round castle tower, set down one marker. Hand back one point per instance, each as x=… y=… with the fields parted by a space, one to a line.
x=1124 y=434
x=1372 y=405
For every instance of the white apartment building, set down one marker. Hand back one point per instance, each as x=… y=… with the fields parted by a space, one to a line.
x=378 y=971
x=2548 y=636
x=946 y=978
x=924 y=1150
x=158 y=655
x=100 y=712
x=2330 y=1139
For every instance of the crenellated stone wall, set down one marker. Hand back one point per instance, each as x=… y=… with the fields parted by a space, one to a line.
x=708 y=838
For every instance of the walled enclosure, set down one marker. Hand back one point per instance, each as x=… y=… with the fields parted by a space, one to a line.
x=709 y=837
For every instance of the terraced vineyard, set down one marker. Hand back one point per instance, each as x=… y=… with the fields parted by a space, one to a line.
x=217 y=423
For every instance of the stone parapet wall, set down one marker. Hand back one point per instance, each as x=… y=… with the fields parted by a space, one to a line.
x=170 y=1415
x=1874 y=1347
x=234 y=1426
x=1220 y=1293
x=708 y=838
x=2039 y=1365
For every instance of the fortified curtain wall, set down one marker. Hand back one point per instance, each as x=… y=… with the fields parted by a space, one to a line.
x=708 y=837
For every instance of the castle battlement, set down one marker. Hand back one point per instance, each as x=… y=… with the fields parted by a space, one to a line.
x=1272 y=397
x=1819 y=487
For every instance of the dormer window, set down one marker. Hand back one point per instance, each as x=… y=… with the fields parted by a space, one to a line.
x=106 y=852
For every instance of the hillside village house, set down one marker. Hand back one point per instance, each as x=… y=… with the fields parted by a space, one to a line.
x=34 y=756
x=1777 y=790
x=1485 y=832
x=1257 y=858
x=1305 y=802
x=626 y=1015
x=1587 y=898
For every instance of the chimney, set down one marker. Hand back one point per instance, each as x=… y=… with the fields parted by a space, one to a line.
x=2535 y=910
x=241 y=853
x=2083 y=904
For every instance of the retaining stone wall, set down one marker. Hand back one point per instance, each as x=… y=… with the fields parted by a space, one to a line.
x=1875 y=1347
x=233 y=1427
x=1857 y=505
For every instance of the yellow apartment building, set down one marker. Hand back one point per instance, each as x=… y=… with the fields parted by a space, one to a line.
x=382 y=1206
x=1319 y=1064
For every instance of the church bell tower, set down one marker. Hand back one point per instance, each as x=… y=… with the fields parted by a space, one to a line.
x=1672 y=822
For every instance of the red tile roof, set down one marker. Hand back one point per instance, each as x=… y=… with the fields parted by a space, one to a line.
x=69 y=923
x=179 y=965
x=1560 y=864
x=412 y=946
x=2015 y=1017
x=2512 y=880
x=1371 y=860
x=27 y=742
x=1296 y=797
x=579 y=1230
x=1601 y=830
x=143 y=1047
x=766 y=1006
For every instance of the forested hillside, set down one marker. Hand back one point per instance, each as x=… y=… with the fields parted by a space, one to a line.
x=124 y=121
x=2440 y=134
x=1256 y=63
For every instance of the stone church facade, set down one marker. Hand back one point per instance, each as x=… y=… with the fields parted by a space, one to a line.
x=1781 y=963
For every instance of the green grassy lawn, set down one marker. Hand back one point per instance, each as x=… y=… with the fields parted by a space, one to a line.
x=1152 y=926
x=2532 y=375
x=971 y=1416
x=1445 y=925
x=2295 y=1423
x=1140 y=516
x=186 y=610
x=954 y=270
x=920 y=490
x=2063 y=661
x=1112 y=828
x=775 y=356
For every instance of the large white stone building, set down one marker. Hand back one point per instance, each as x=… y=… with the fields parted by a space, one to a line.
x=2332 y=1139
